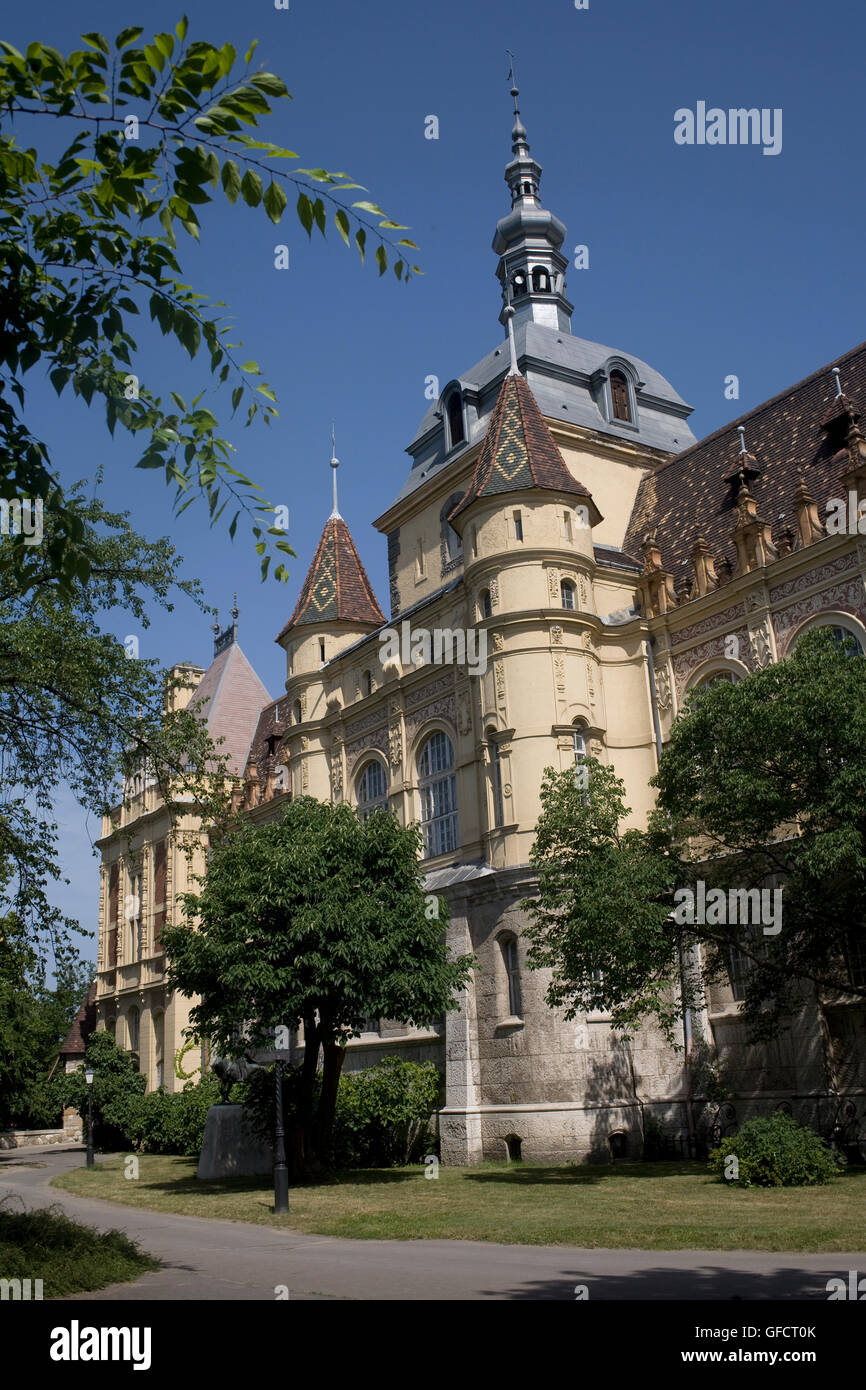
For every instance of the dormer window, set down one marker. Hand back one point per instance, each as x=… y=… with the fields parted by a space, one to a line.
x=619 y=397
x=456 y=433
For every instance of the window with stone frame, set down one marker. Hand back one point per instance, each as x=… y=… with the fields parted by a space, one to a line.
x=511 y=965
x=496 y=779
x=450 y=544
x=160 y=876
x=456 y=433
x=113 y=906
x=371 y=789
x=437 y=788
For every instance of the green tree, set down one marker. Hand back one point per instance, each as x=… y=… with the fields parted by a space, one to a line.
x=34 y=1020
x=118 y=1093
x=317 y=919
x=77 y=711
x=87 y=240
x=760 y=779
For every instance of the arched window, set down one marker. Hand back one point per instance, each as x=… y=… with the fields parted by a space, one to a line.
x=437 y=786
x=729 y=678
x=510 y=960
x=518 y=285
x=132 y=1029
x=455 y=419
x=619 y=396
x=540 y=281
x=579 y=744
x=485 y=604
x=842 y=635
x=159 y=1049
x=496 y=777
x=372 y=789
x=367 y=682
x=296 y=711
x=566 y=591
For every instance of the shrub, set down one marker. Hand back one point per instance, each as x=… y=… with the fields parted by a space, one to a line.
x=382 y=1114
x=382 y=1117
x=174 y=1124
x=118 y=1091
x=774 y=1151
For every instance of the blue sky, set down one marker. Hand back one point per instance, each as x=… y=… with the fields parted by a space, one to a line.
x=704 y=261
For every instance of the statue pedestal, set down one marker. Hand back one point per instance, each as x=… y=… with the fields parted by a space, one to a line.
x=230 y=1149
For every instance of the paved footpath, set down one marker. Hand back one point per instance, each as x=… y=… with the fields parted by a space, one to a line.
x=204 y=1259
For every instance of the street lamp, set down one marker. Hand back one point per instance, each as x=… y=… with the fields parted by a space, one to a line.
x=88 y=1077
x=281 y=1172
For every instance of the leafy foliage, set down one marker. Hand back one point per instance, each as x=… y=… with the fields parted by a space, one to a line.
x=88 y=240
x=317 y=919
x=766 y=777
x=774 y=1151
x=77 y=712
x=173 y=1122
x=68 y=1257
x=118 y=1089
x=381 y=1118
x=34 y=1020
x=599 y=921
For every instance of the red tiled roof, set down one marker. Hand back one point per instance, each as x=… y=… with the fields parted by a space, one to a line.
x=230 y=696
x=694 y=494
x=81 y=1027
x=336 y=588
x=519 y=451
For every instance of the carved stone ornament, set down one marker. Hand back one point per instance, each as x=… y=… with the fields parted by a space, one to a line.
x=556 y=634
x=553 y=583
x=663 y=687
x=761 y=643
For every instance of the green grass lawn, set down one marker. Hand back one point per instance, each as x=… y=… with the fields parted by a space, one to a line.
x=648 y=1206
x=67 y=1257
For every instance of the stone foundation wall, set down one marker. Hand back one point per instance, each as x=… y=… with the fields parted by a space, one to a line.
x=20 y=1138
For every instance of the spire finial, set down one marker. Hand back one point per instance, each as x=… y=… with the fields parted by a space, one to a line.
x=515 y=91
x=335 y=464
x=235 y=613
x=508 y=315
x=838 y=379
x=742 y=433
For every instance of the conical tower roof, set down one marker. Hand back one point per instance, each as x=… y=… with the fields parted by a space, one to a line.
x=228 y=698
x=336 y=589
x=519 y=453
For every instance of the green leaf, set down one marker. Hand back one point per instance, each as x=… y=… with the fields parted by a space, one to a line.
x=305 y=213
x=251 y=188
x=181 y=27
x=275 y=201
x=252 y=367
x=165 y=44
x=231 y=180
x=342 y=222
x=398 y=270
x=369 y=207
x=361 y=241
x=266 y=391
x=381 y=259
x=127 y=36
x=251 y=50
x=94 y=40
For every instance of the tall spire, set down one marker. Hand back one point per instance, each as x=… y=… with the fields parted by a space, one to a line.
x=532 y=267
x=335 y=463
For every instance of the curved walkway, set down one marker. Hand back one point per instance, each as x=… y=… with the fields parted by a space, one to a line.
x=205 y=1259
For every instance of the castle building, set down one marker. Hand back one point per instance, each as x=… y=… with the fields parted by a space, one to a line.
x=561 y=514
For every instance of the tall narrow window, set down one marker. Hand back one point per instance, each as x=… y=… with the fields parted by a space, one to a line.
x=158 y=1050
x=160 y=907
x=455 y=419
x=566 y=592
x=496 y=778
x=566 y=525
x=540 y=282
x=619 y=396
x=372 y=789
x=367 y=682
x=113 y=902
x=486 y=604
x=579 y=745
x=437 y=786
x=296 y=707
x=518 y=526
x=322 y=650
x=512 y=974
x=474 y=540
x=132 y=1029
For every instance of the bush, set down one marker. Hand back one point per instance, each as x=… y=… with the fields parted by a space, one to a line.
x=174 y=1124
x=118 y=1091
x=382 y=1117
x=382 y=1114
x=774 y=1151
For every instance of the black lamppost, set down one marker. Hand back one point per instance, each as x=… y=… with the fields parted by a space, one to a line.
x=88 y=1077
x=281 y=1172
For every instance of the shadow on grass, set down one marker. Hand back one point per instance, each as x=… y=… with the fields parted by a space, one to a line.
x=586 y=1174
